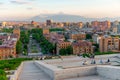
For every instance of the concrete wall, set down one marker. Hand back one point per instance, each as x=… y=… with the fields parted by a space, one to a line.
x=75 y=72
x=59 y=74
x=17 y=72
x=110 y=72
x=48 y=69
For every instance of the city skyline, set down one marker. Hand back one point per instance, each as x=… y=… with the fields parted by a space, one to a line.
x=20 y=9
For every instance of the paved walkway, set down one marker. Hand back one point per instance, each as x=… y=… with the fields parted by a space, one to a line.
x=89 y=78
x=32 y=72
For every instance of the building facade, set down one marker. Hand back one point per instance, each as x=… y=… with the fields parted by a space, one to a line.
x=108 y=43
x=46 y=31
x=62 y=45
x=8 y=49
x=101 y=26
x=16 y=32
x=78 y=36
x=81 y=47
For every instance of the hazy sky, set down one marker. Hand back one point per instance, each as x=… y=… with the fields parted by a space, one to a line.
x=87 y=8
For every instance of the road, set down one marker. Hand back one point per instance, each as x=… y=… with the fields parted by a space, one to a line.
x=32 y=72
x=34 y=42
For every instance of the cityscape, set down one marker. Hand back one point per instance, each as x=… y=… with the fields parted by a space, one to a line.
x=59 y=40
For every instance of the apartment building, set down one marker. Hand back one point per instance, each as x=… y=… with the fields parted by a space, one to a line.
x=81 y=47
x=62 y=44
x=108 y=43
x=78 y=36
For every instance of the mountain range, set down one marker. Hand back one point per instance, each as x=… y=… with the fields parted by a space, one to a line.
x=60 y=17
x=68 y=18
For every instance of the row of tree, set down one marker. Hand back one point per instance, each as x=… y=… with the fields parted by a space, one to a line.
x=46 y=46
x=21 y=45
x=2 y=75
x=7 y=30
x=56 y=29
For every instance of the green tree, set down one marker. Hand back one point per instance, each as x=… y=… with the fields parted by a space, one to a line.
x=24 y=37
x=62 y=51
x=0 y=42
x=25 y=46
x=2 y=75
x=3 y=78
x=69 y=50
x=10 y=30
x=2 y=72
x=19 y=47
x=96 y=47
x=88 y=36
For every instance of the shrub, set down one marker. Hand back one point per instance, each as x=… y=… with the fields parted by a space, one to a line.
x=2 y=75
x=3 y=78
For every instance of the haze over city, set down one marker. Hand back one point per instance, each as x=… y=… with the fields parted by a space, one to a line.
x=22 y=9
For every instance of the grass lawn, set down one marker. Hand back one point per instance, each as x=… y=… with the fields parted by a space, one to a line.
x=6 y=65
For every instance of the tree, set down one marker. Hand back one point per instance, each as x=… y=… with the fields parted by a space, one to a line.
x=19 y=47
x=88 y=36
x=62 y=51
x=10 y=30
x=0 y=42
x=96 y=47
x=2 y=75
x=69 y=50
x=24 y=37
x=25 y=46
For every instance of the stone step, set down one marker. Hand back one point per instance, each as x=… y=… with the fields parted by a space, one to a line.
x=32 y=72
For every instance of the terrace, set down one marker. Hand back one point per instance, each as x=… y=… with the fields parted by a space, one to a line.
x=72 y=68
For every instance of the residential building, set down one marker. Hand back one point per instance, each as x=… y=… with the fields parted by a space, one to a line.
x=81 y=47
x=96 y=38
x=55 y=37
x=49 y=22
x=78 y=36
x=101 y=26
x=108 y=43
x=62 y=44
x=46 y=31
x=16 y=31
x=8 y=46
x=8 y=49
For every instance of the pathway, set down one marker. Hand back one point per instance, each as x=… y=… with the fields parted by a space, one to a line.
x=32 y=72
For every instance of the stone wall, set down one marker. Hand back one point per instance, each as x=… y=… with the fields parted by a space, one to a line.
x=59 y=74
x=17 y=72
x=75 y=72
x=48 y=69
x=110 y=72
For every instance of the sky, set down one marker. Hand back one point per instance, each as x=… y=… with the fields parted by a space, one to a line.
x=88 y=8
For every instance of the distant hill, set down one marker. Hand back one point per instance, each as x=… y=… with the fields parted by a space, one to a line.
x=68 y=18
x=60 y=17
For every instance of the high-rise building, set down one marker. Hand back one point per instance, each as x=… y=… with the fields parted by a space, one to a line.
x=95 y=23
x=101 y=26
